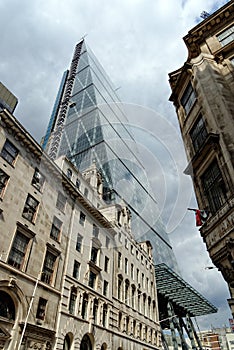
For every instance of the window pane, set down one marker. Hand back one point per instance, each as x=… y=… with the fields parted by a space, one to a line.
x=106 y=264
x=188 y=98
x=9 y=152
x=30 y=208
x=61 y=201
x=55 y=229
x=7 y=307
x=79 y=243
x=48 y=268
x=38 y=179
x=198 y=134
x=72 y=302
x=3 y=181
x=227 y=36
x=82 y=218
x=92 y=279
x=214 y=187
x=94 y=253
x=41 y=309
x=18 y=250
x=76 y=269
x=95 y=231
x=105 y=288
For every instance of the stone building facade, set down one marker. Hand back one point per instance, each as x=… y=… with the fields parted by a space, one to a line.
x=71 y=274
x=203 y=95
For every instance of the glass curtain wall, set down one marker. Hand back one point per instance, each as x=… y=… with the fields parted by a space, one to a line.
x=96 y=129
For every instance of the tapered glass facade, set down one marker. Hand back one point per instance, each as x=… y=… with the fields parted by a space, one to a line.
x=91 y=126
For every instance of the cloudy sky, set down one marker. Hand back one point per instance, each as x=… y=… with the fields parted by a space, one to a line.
x=139 y=43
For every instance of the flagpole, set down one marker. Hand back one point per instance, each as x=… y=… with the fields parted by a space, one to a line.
x=29 y=309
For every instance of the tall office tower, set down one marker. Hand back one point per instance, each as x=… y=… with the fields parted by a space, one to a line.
x=90 y=126
x=203 y=94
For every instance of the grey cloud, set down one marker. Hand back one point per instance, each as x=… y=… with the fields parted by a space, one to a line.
x=138 y=43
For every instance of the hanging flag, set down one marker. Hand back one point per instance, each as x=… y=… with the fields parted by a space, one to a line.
x=201 y=216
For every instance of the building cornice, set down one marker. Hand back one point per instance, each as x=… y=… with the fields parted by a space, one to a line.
x=193 y=41
x=207 y=28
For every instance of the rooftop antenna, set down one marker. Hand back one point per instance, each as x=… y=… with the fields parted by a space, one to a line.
x=204 y=14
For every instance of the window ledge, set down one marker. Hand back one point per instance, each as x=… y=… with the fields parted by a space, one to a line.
x=94 y=266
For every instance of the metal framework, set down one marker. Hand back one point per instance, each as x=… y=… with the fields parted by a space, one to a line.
x=178 y=300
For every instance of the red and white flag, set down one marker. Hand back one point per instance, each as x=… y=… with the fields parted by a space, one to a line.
x=201 y=216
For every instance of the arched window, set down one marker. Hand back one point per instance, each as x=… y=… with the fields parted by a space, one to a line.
x=104 y=315
x=78 y=183
x=7 y=306
x=72 y=302
x=86 y=343
x=146 y=334
x=134 y=328
x=86 y=192
x=120 y=280
x=127 y=324
x=67 y=342
x=120 y=321
x=140 y=331
x=149 y=307
x=84 y=306
x=139 y=300
x=155 y=338
x=144 y=304
x=69 y=173
x=126 y=292
x=133 y=296
x=154 y=310
x=95 y=310
x=151 y=336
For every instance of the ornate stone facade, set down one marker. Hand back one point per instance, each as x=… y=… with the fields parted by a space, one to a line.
x=71 y=274
x=203 y=94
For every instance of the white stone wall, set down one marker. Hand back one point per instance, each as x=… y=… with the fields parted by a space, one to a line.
x=64 y=317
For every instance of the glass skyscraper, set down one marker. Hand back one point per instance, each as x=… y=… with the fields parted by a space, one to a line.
x=88 y=124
